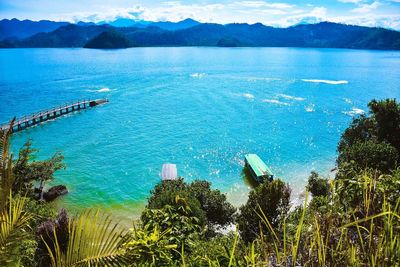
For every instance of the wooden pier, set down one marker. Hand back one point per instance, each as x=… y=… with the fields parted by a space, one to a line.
x=42 y=116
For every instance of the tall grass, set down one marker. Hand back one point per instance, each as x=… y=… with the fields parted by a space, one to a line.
x=363 y=235
x=334 y=238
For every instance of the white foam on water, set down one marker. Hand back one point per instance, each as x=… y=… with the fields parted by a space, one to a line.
x=310 y=108
x=354 y=111
x=246 y=95
x=274 y=101
x=255 y=79
x=101 y=90
x=325 y=81
x=348 y=101
x=289 y=97
x=197 y=75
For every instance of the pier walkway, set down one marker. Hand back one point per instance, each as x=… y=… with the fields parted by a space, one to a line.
x=42 y=116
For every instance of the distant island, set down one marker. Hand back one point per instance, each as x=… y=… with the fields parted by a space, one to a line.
x=124 y=33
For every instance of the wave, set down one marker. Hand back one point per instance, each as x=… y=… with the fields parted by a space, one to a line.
x=354 y=111
x=101 y=90
x=325 y=81
x=289 y=97
x=255 y=79
x=197 y=75
x=248 y=95
x=274 y=101
x=310 y=108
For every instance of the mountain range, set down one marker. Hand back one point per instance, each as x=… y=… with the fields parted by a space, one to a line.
x=124 y=33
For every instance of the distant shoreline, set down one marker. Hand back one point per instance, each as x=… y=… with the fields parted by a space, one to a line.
x=320 y=35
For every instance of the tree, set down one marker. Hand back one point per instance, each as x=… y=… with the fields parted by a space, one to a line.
x=368 y=154
x=27 y=171
x=218 y=210
x=361 y=129
x=386 y=114
x=269 y=198
x=208 y=205
x=165 y=193
x=373 y=141
x=317 y=186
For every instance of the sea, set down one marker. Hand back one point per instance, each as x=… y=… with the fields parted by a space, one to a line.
x=201 y=108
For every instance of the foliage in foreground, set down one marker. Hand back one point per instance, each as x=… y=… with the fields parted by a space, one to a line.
x=208 y=205
x=272 y=199
x=372 y=141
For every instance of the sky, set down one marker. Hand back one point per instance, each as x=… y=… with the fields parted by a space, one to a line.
x=280 y=13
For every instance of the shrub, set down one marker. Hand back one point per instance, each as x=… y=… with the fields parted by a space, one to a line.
x=165 y=193
x=45 y=235
x=386 y=114
x=208 y=205
x=176 y=221
x=147 y=247
x=269 y=198
x=368 y=154
x=373 y=141
x=217 y=209
x=317 y=186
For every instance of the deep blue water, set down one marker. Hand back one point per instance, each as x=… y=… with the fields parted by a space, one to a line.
x=201 y=108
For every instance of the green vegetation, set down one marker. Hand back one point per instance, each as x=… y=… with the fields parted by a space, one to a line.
x=270 y=199
x=374 y=141
x=110 y=39
x=351 y=220
x=28 y=171
x=209 y=206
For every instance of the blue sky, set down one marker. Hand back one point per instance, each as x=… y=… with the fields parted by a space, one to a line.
x=383 y=13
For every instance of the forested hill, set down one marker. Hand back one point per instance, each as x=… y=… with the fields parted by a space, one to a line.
x=324 y=34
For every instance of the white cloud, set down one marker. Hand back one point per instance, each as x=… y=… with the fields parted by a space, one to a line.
x=315 y=15
x=366 y=8
x=383 y=21
x=351 y=1
x=277 y=14
x=259 y=4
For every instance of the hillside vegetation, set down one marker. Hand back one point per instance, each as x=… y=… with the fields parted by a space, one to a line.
x=324 y=34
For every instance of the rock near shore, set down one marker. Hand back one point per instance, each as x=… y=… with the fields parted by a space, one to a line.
x=55 y=192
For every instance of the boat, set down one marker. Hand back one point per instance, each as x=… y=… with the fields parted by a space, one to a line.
x=257 y=168
x=169 y=171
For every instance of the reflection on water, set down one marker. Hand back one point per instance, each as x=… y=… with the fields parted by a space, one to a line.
x=248 y=179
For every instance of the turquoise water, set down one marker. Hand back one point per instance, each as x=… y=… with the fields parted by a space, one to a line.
x=201 y=108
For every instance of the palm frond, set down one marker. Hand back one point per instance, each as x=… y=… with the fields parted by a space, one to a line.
x=93 y=241
x=13 y=222
x=6 y=173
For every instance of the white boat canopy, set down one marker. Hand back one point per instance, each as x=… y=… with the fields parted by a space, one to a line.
x=169 y=172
